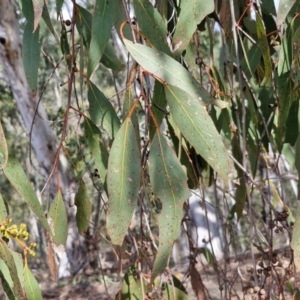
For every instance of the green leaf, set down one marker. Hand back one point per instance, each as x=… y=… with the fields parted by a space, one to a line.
x=110 y=60
x=192 y=12
x=27 y=9
x=264 y=47
x=84 y=24
x=33 y=291
x=169 y=185
x=59 y=4
x=7 y=257
x=284 y=86
x=38 y=10
x=131 y=288
x=3 y=210
x=48 y=22
x=102 y=112
x=58 y=220
x=127 y=105
x=17 y=177
x=84 y=208
x=152 y=24
x=123 y=181
x=7 y=283
x=283 y=10
x=102 y=24
x=158 y=107
x=3 y=149
x=250 y=60
x=98 y=151
x=297 y=165
x=295 y=244
x=170 y=71
x=198 y=129
x=31 y=55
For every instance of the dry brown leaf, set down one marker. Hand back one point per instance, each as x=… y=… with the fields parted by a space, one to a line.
x=197 y=284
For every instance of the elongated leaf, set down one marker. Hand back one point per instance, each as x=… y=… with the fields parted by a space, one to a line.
x=169 y=184
x=283 y=9
x=110 y=60
x=98 y=151
x=84 y=24
x=152 y=24
x=3 y=210
x=27 y=9
x=103 y=19
x=295 y=244
x=297 y=165
x=264 y=47
x=38 y=10
x=33 y=291
x=7 y=283
x=102 y=112
x=3 y=149
x=58 y=220
x=123 y=181
x=284 y=86
x=170 y=71
x=47 y=20
x=6 y=256
x=132 y=289
x=158 y=108
x=84 y=208
x=198 y=129
x=15 y=174
x=192 y=12
x=59 y=4
x=31 y=55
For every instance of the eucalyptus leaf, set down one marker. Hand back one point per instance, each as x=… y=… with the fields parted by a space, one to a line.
x=123 y=181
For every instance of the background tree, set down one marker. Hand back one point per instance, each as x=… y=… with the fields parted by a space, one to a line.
x=151 y=107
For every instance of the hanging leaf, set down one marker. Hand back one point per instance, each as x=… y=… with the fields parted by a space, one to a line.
x=7 y=257
x=7 y=283
x=32 y=289
x=58 y=220
x=170 y=71
x=283 y=10
x=48 y=22
x=192 y=12
x=152 y=25
x=264 y=47
x=123 y=181
x=169 y=185
x=158 y=107
x=102 y=112
x=284 y=86
x=17 y=177
x=110 y=60
x=297 y=165
x=103 y=19
x=38 y=10
x=84 y=208
x=84 y=24
x=98 y=152
x=31 y=55
x=131 y=288
x=295 y=244
x=3 y=210
x=198 y=129
x=3 y=149
x=59 y=4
